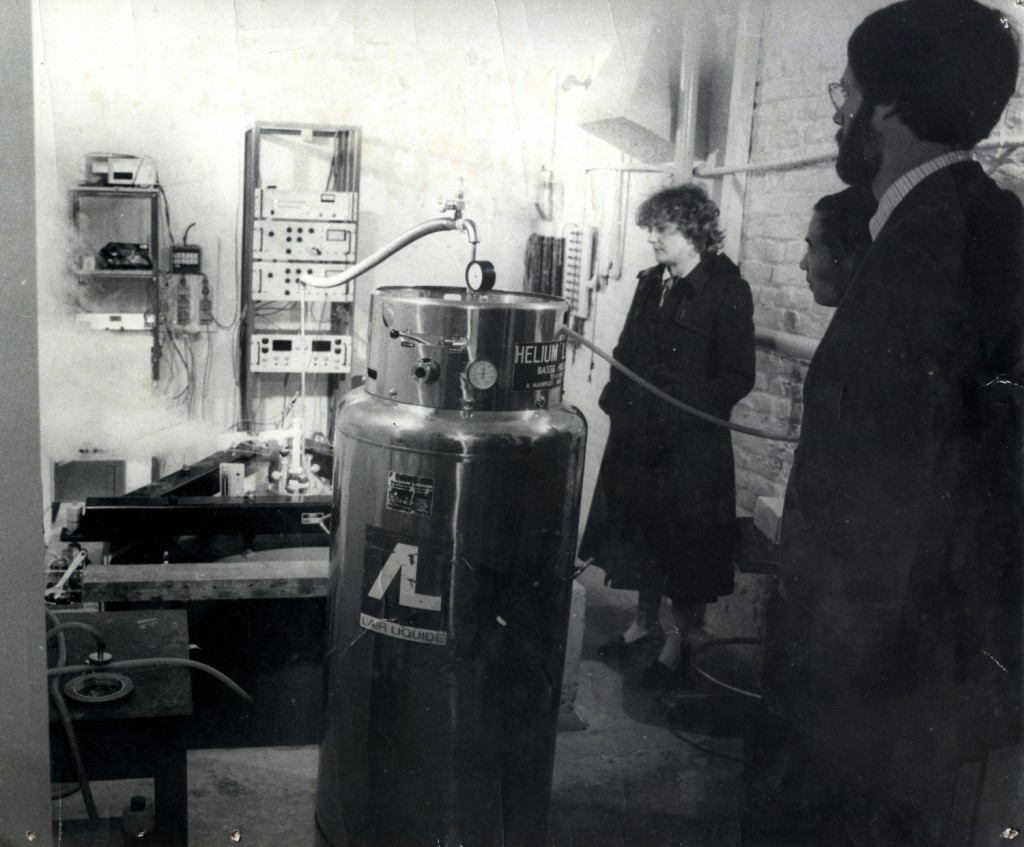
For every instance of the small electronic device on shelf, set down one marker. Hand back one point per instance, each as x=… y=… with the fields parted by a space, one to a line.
x=121 y=256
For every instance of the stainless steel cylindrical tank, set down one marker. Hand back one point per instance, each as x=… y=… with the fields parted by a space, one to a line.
x=457 y=488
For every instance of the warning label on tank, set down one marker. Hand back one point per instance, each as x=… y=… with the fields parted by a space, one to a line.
x=403 y=590
x=408 y=493
x=538 y=366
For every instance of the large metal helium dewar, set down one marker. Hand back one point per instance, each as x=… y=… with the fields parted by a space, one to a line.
x=457 y=486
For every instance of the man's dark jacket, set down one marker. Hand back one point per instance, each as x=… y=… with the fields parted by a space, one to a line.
x=901 y=568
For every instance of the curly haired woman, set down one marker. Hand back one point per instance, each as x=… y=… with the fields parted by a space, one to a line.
x=663 y=517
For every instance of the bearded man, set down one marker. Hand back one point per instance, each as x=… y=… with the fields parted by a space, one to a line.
x=895 y=640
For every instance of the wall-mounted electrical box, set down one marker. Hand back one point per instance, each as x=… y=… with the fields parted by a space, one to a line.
x=578 y=268
x=185 y=258
x=190 y=303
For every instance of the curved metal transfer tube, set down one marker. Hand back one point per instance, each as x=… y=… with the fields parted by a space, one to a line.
x=404 y=240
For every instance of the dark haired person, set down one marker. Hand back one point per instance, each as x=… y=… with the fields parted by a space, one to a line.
x=837 y=241
x=894 y=644
x=786 y=792
x=664 y=509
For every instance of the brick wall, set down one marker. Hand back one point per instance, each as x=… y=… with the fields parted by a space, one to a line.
x=800 y=53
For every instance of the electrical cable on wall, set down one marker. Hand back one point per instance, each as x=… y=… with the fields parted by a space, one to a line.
x=190 y=315
x=302 y=339
x=213 y=317
x=207 y=372
x=236 y=358
x=189 y=374
x=167 y=212
x=593 y=330
x=191 y=396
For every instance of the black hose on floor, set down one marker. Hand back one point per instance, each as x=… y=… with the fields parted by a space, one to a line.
x=65 y=720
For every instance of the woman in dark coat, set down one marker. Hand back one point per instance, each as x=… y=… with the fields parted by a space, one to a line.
x=663 y=515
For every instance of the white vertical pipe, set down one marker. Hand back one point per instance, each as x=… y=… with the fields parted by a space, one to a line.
x=731 y=188
x=689 y=84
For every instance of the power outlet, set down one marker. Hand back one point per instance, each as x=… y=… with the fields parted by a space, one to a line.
x=205 y=304
x=190 y=303
x=183 y=303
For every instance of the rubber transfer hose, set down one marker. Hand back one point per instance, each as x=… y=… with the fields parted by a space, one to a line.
x=128 y=664
x=101 y=646
x=668 y=398
x=65 y=720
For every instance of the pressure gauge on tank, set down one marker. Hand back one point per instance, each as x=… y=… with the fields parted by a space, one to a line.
x=481 y=374
x=480 y=276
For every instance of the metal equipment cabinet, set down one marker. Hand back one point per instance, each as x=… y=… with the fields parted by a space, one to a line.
x=300 y=219
x=121 y=293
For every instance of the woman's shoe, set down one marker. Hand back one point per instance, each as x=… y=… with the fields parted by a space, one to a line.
x=619 y=648
x=657 y=675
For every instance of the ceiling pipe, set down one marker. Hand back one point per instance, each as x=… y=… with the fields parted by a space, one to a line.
x=785 y=343
x=689 y=87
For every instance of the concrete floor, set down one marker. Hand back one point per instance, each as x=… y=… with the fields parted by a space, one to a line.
x=624 y=777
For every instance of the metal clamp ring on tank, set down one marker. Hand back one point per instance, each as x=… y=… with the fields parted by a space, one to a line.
x=449 y=348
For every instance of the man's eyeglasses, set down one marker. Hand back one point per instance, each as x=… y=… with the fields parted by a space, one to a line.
x=837 y=94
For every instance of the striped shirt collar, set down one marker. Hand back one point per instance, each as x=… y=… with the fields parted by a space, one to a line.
x=895 y=193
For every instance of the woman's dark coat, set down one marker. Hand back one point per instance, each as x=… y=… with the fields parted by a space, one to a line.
x=664 y=472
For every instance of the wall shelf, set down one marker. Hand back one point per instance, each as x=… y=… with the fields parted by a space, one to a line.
x=118 y=298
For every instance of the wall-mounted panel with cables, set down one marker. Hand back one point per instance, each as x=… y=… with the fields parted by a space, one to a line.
x=300 y=219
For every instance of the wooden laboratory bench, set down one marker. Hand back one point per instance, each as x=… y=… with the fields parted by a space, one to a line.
x=258 y=617
x=264 y=574
x=270 y=574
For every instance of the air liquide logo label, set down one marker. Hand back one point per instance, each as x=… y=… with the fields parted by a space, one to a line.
x=402 y=592
x=538 y=366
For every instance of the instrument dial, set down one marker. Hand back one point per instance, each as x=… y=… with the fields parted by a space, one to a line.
x=482 y=374
x=480 y=276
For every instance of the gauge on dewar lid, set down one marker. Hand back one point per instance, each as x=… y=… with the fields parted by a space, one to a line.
x=481 y=374
x=480 y=276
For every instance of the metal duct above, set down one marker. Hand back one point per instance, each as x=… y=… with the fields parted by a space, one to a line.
x=633 y=100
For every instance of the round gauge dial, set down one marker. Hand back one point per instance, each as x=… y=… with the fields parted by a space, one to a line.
x=482 y=374
x=480 y=276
